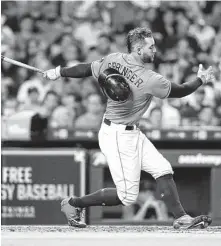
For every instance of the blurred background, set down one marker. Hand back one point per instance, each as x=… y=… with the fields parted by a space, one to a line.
x=49 y=128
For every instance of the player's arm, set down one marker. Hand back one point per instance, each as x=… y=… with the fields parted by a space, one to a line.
x=161 y=87
x=178 y=91
x=80 y=70
x=203 y=77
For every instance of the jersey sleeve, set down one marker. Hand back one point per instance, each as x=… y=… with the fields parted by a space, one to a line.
x=96 y=66
x=157 y=85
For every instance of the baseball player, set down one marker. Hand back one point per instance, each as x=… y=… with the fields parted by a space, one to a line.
x=126 y=148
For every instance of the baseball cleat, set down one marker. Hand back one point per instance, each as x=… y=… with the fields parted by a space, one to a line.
x=188 y=222
x=201 y=222
x=72 y=214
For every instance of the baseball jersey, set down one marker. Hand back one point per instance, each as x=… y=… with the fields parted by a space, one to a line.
x=144 y=84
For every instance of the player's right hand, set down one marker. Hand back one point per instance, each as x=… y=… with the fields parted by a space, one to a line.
x=52 y=74
x=205 y=75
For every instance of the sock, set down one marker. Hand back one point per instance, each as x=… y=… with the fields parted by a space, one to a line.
x=169 y=194
x=103 y=197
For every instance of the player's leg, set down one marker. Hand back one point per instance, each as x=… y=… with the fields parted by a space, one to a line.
x=120 y=149
x=72 y=207
x=102 y=197
x=154 y=163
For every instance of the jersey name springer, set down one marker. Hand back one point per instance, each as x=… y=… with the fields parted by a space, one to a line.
x=127 y=73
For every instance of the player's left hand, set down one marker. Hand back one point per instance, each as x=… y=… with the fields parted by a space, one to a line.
x=205 y=75
x=52 y=74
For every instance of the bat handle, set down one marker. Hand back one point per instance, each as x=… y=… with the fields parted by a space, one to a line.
x=40 y=71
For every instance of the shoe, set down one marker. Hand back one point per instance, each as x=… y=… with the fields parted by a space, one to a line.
x=72 y=214
x=188 y=222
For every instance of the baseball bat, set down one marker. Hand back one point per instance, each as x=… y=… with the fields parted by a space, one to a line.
x=20 y=64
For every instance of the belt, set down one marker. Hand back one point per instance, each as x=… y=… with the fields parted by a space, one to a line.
x=128 y=128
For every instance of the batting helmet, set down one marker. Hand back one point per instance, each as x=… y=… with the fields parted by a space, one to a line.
x=114 y=85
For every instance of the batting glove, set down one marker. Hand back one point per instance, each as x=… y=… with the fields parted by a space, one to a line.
x=52 y=74
x=205 y=75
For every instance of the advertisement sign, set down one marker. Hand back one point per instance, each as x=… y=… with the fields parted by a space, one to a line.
x=197 y=173
x=35 y=181
x=177 y=158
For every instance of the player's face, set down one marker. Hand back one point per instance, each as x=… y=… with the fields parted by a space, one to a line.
x=148 y=50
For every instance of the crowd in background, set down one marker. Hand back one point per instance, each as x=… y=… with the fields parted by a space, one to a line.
x=46 y=34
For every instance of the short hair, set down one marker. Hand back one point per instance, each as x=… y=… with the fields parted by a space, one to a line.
x=76 y=96
x=32 y=89
x=50 y=92
x=104 y=35
x=137 y=35
x=207 y=107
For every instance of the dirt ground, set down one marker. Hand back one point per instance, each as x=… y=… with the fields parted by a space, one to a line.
x=108 y=236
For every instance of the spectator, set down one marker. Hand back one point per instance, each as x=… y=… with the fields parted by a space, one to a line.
x=50 y=102
x=50 y=11
x=26 y=31
x=197 y=99
x=9 y=8
x=191 y=107
x=35 y=10
x=7 y=86
x=10 y=106
x=168 y=30
x=61 y=117
x=93 y=28
x=152 y=17
x=156 y=102
x=32 y=102
x=182 y=25
x=203 y=33
x=71 y=55
x=123 y=13
x=21 y=75
x=119 y=44
x=92 y=119
x=8 y=37
x=103 y=48
x=186 y=34
x=88 y=86
x=72 y=101
x=207 y=118
x=216 y=48
x=156 y=117
x=170 y=115
x=214 y=16
x=154 y=120
x=43 y=85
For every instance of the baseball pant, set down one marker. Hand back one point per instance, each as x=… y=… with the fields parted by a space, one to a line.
x=127 y=153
